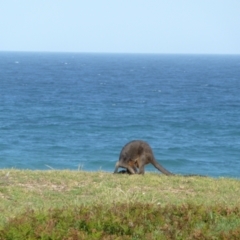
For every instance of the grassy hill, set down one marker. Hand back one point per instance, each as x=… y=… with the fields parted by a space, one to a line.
x=147 y=197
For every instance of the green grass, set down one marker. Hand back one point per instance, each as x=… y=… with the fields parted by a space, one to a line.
x=207 y=206
x=126 y=221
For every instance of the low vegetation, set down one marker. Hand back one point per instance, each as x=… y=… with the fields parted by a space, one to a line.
x=99 y=205
x=127 y=221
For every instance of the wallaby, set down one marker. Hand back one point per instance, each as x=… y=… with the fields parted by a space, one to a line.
x=137 y=154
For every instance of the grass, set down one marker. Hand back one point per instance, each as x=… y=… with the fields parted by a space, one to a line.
x=126 y=221
x=39 y=191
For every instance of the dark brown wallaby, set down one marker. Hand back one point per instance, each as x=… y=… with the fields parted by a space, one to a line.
x=137 y=154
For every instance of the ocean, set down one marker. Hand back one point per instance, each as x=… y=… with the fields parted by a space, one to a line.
x=76 y=111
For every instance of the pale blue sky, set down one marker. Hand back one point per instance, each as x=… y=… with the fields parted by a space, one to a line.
x=121 y=26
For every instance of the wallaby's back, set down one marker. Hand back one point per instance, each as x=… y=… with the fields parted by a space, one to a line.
x=134 y=150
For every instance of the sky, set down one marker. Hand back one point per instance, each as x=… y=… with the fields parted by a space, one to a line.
x=121 y=26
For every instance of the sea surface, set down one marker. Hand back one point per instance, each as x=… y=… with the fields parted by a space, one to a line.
x=76 y=111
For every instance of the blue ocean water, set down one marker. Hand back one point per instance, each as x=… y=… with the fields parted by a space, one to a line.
x=72 y=110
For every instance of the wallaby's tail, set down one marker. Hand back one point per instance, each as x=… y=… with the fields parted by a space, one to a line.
x=162 y=169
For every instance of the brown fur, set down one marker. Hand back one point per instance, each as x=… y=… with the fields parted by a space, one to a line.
x=137 y=154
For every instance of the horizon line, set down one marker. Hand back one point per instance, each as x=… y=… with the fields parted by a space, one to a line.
x=116 y=53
